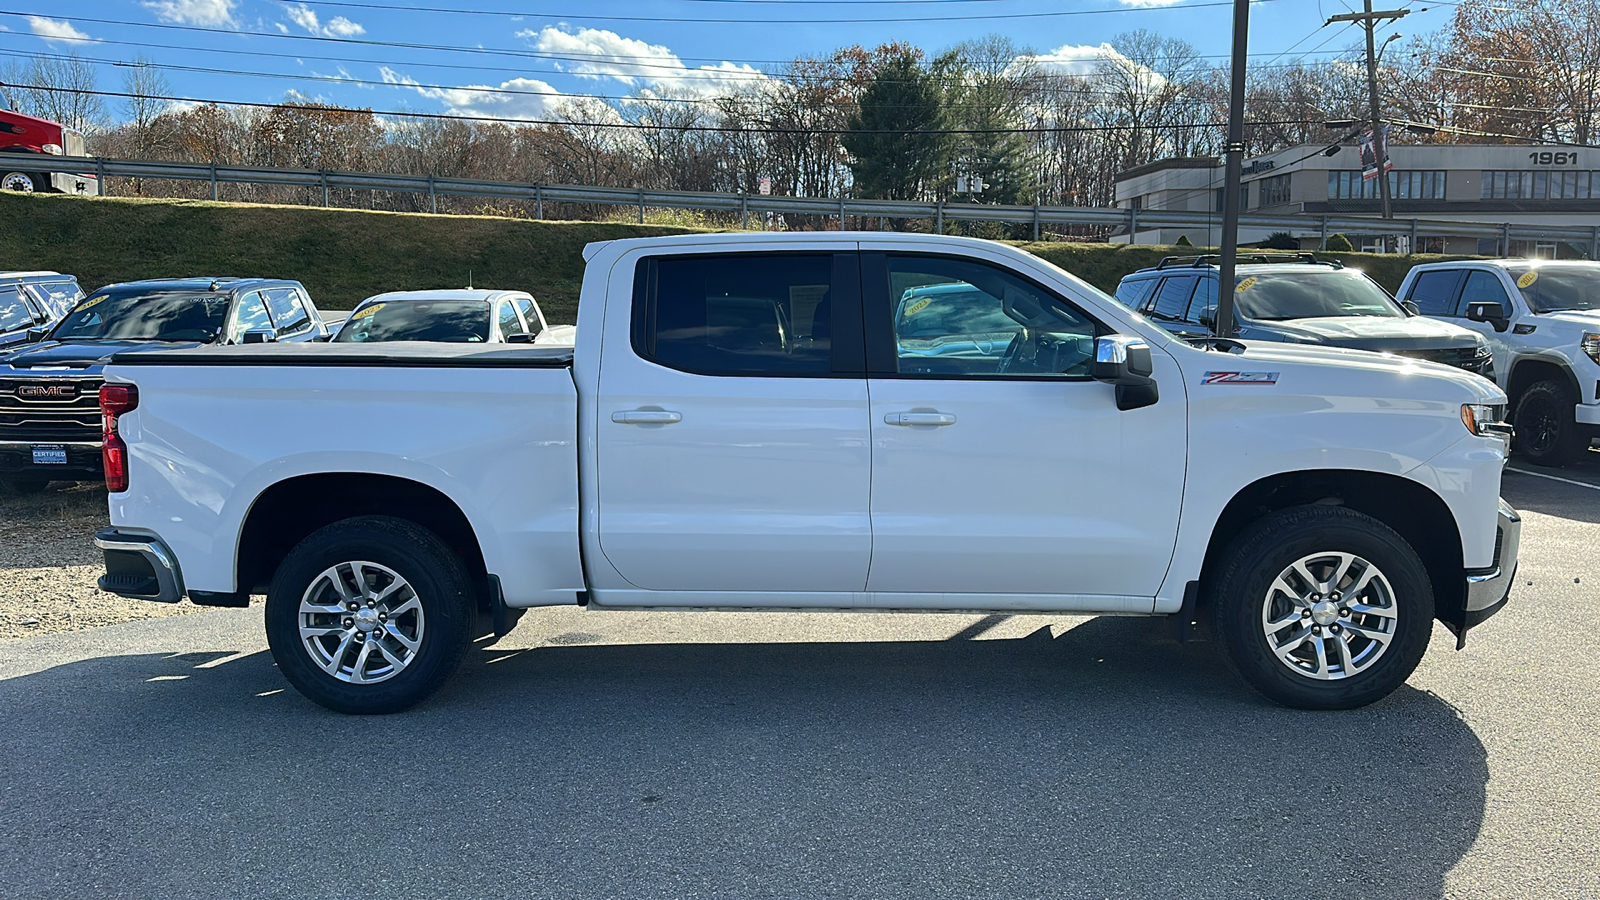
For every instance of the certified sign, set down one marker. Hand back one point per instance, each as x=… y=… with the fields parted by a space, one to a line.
x=46 y=391
x=49 y=455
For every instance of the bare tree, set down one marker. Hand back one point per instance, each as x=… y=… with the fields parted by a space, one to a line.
x=58 y=87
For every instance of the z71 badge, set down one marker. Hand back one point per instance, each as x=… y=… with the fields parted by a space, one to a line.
x=1240 y=378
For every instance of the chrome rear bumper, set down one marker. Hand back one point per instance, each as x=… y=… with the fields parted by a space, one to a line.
x=139 y=567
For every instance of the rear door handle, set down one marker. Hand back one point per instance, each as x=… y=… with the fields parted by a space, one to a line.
x=646 y=417
x=919 y=418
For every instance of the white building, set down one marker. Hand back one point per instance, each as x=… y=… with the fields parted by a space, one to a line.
x=1522 y=185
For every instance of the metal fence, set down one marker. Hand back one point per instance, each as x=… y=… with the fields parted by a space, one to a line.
x=1110 y=220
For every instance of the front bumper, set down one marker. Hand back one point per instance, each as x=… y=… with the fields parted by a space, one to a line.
x=1489 y=589
x=83 y=460
x=139 y=567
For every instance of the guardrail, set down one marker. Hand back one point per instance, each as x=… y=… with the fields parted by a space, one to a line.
x=1114 y=220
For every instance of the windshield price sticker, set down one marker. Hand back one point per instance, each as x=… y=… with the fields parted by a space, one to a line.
x=918 y=306
x=1245 y=285
x=363 y=313
x=1527 y=279
x=92 y=303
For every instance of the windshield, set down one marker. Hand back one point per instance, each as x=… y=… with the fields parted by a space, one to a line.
x=1274 y=296
x=145 y=317
x=455 y=321
x=1552 y=288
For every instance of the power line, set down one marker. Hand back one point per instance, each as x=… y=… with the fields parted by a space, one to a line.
x=521 y=14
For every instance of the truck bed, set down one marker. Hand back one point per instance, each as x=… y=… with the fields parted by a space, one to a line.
x=398 y=354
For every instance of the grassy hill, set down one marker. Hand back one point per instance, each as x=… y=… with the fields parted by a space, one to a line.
x=345 y=255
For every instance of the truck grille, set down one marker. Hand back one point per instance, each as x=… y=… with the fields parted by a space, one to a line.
x=1459 y=357
x=50 y=410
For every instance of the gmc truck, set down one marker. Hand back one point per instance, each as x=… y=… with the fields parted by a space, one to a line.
x=788 y=421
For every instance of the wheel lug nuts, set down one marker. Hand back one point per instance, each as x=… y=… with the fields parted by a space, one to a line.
x=1345 y=613
x=1336 y=629
x=1305 y=613
x=353 y=606
x=349 y=622
x=1316 y=629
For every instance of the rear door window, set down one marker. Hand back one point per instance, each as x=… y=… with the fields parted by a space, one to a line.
x=509 y=322
x=1434 y=292
x=531 y=318
x=1133 y=292
x=59 y=297
x=288 y=311
x=1482 y=287
x=737 y=314
x=1172 y=301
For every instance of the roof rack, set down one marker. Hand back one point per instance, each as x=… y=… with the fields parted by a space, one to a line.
x=1210 y=259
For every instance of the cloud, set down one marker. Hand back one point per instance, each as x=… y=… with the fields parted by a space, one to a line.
x=1073 y=59
x=193 y=12
x=596 y=53
x=56 y=30
x=528 y=98
x=338 y=26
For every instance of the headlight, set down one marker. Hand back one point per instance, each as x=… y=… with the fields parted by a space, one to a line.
x=52 y=149
x=1591 y=345
x=1485 y=420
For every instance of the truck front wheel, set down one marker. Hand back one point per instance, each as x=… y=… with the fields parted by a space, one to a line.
x=1321 y=607
x=18 y=181
x=369 y=615
x=1547 y=431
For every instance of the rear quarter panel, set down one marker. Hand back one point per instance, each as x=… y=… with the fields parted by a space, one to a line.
x=207 y=441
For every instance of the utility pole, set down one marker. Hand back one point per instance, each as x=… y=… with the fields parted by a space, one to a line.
x=1234 y=148
x=1369 y=21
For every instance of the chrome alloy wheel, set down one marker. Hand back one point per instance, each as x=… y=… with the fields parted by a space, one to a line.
x=361 y=622
x=16 y=181
x=1329 y=616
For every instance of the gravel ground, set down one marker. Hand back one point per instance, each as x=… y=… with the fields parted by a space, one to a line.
x=48 y=566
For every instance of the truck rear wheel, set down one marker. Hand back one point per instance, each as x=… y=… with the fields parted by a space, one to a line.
x=1321 y=607
x=22 y=484
x=369 y=615
x=1547 y=432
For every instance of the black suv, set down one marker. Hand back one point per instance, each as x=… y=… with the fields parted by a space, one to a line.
x=30 y=301
x=49 y=391
x=1298 y=298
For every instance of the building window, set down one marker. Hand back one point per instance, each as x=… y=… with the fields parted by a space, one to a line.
x=1136 y=202
x=1275 y=190
x=1423 y=185
x=1549 y=185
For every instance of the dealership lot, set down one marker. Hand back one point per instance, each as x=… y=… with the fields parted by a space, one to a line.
x=715 y=754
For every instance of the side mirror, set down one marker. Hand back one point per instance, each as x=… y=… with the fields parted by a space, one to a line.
x=259 y=336
x=1490 y=311
x=1125 y=362
x=35 y=335
x=1208 y=318
x=523 y=338
x=1411 y=308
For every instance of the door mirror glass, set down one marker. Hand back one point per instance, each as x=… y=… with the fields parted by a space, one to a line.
x=35 y=335
x=259 y=336
x=1411 y=308
x=521 y=338
x=1208 y=318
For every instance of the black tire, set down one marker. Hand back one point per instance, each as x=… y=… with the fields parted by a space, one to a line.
x=435 y=577
x=19 y=485
x=1240 y=602
x=1547 y=431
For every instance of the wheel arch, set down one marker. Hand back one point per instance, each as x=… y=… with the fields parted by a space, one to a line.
x=288 y=511
x=1531 y=370
x=1415 y=512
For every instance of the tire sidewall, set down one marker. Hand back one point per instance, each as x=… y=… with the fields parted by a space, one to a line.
x=1276 y=543
x=441 y=587
x=1567 y=441
x=29 y=180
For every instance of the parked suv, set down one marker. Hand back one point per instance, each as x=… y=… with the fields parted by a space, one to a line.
x=1299 y=299
x=49 y=417
x=33 y=300
x=1542 y=318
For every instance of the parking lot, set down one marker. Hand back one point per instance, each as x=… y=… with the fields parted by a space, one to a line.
x=761 y=755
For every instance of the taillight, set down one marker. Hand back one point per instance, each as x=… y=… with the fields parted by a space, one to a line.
x=115 y=399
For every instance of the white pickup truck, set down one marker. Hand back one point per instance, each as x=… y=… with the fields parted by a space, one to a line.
x=815 y=421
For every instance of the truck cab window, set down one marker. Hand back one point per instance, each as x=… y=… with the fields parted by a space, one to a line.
x=251 y=315
x=960 y=317
x=288 y=312
x=746 y=314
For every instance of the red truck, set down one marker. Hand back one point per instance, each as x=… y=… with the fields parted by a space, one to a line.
x=21 y=134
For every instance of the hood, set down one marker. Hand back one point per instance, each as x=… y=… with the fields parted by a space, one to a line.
x=79 y=354
x=1587 y=318
x=1367 y=333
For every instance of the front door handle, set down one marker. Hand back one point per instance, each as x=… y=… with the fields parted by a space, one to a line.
x=646 y=417
x=919 y=418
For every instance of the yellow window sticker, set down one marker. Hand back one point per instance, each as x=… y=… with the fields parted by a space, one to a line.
x=95 y=302
x=363 y=313
x=1527 y=279
x=918 y=306
x=1245 y=285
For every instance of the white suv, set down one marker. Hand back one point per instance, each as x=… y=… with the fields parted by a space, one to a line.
x=1542 y=319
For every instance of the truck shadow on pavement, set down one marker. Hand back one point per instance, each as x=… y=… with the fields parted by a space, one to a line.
x=1108 y=761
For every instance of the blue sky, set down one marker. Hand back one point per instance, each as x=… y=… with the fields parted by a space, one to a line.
x=611 y=49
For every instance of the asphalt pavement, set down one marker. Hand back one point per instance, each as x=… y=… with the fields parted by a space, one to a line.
x=678 y=755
